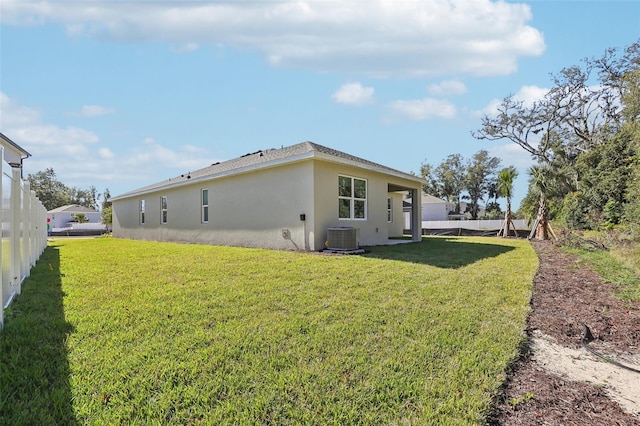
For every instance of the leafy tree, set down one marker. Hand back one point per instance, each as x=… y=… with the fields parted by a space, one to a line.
x=48 y=189
x=79 y=218
x=631 y=112
x=479 y=175
x=84 y=197
x=107 y=216
x=493 y=210
x=575 y=112
x=53 y=193
x=432 y=186
x=450 y=175
x=105 y=199
x=605 y=173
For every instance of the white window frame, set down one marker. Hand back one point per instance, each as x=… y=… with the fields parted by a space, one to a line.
x=204 y=205
x=164 y=210
x=352 y=199
x=141 y=211
x=389 y=209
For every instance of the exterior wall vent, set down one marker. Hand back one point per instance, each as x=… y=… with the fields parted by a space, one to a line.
x=342 y=238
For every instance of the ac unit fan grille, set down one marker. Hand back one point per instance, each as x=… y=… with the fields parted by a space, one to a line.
x=342 y=239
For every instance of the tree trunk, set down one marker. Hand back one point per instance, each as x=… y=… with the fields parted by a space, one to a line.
x=508 y=223
x=542 y=219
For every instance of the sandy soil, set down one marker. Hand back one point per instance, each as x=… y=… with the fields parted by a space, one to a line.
x=557 y=381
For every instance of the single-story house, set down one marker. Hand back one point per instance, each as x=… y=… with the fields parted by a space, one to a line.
x=301 y=197
x=60 y=221
x=61 y=217
x=433 y=208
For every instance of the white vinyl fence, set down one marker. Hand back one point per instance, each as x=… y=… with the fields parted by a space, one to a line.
x=472 y=224
x=24 y=232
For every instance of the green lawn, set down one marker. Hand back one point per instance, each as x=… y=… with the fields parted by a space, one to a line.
x=111 y=331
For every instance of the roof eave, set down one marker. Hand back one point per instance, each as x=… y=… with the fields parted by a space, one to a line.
x=270 y=164
x=238 y=171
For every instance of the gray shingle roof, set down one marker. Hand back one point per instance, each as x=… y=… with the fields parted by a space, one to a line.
x=266 y=158
x=73 y=208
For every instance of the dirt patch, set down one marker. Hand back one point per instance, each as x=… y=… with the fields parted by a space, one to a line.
x=557 y=381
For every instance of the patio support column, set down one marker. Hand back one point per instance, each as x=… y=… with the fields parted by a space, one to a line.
x=416 y=215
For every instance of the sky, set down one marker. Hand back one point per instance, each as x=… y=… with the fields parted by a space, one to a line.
x=122 y=94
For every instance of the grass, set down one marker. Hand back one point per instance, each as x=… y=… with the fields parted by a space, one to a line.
x=110 y=331
x=619 y=265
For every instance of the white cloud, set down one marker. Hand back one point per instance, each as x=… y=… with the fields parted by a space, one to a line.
x=530 y=94
x=385 y=38
x=95 y=110
x=514 y=155
x=422 y=109
x=14 y=114
x=80 y=158
x=527 y=94
x=153 y=155
x=353 y=94
x=24 y=125
x=106 y=154
x=447 y=87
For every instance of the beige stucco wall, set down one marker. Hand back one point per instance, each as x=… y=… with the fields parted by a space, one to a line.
x=375 y=230
x=396 y=227
x=249 y=210
x=253 y=209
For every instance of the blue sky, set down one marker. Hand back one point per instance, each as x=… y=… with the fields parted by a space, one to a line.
x=122 y=94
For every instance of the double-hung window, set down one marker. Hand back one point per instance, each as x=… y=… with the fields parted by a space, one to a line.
x=163 y=209
x=352 y=198
x=141 y=211
x=204 y=206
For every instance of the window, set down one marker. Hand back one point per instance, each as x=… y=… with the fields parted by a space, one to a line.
x=352 y=198
x=205 y=206
x=163 y=209
x=389 y=209
x=141 y=212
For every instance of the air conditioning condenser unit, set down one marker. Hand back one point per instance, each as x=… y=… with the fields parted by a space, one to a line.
x=342 y=238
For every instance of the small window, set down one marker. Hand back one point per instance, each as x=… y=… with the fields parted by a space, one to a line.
x=389 y=209
x=163 y=209
x=142 y=207
x=205 y=206
x=352 y=198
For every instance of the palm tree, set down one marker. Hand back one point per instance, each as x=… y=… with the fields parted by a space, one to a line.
x=505 y=189
x=544 y=181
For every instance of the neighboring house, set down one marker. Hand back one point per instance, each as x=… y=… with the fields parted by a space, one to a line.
x=298 y=197
x=433 y=208
x=61 y=221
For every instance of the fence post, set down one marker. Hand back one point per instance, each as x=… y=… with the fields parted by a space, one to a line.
x=25 y=258
x=16 y=195
x=2 y=283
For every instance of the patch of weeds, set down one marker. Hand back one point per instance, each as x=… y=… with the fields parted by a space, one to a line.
x=527 y=396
